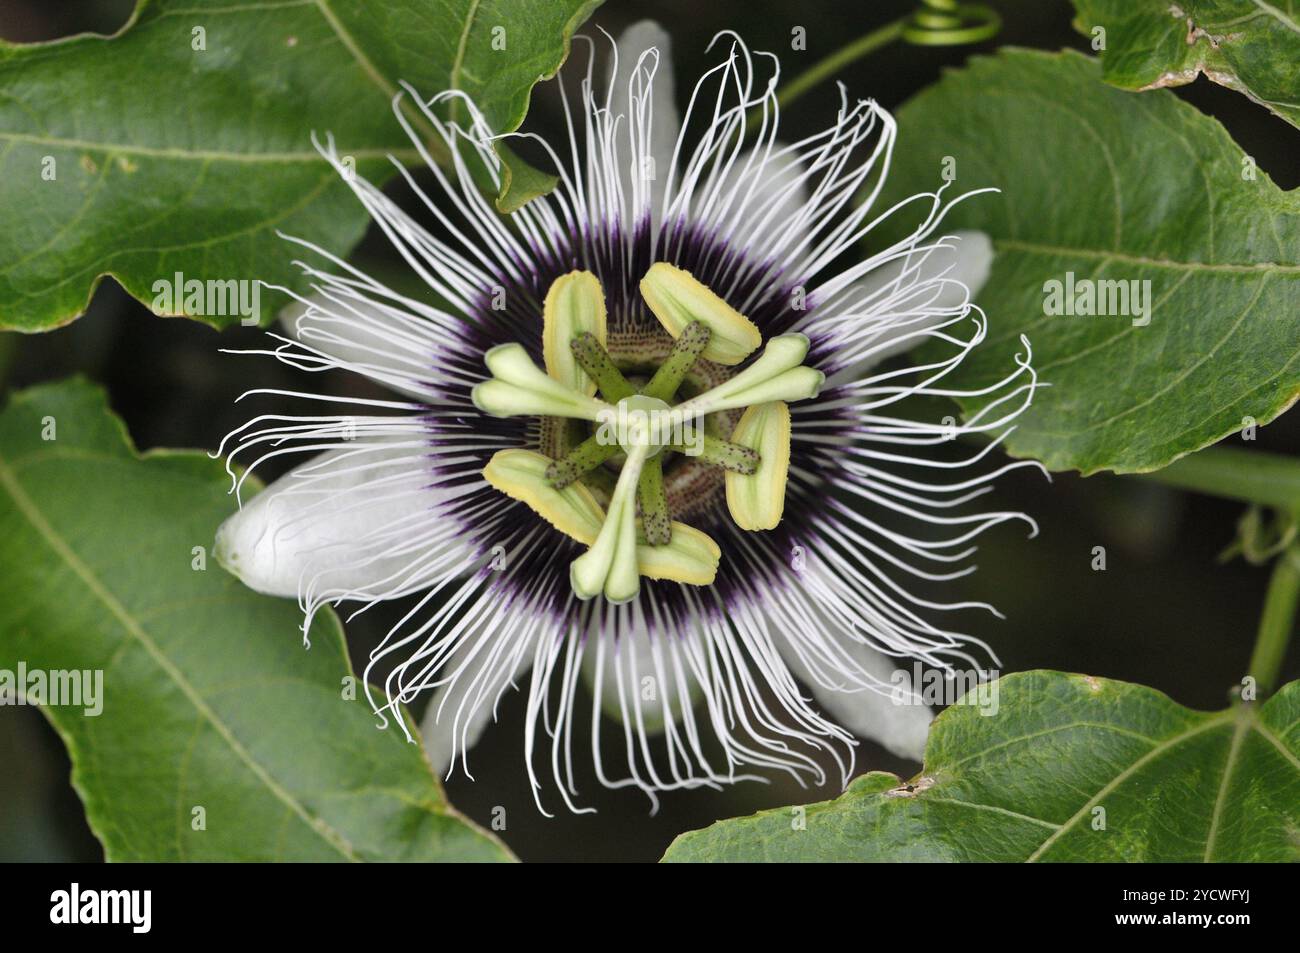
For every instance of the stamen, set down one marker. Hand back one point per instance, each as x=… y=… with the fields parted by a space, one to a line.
x=591 y=355
x=519 y=475
x=579 y=461
x=686 y=350
x=690 y=557
x=678 y=299
x=575 y=304
x=654 y=503
x=720 y=453
x=757 y=500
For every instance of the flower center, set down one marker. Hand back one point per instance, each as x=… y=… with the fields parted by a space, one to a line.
x=602 y=480
x=642 y=420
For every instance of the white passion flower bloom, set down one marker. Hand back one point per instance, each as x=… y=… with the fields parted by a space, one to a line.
x=646 y=441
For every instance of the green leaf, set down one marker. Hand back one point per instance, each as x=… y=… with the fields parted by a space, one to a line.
x=209 y=699
x=169 y=159
x=520 y=182
x=1246 y=45
x=1025 y=784
x=1106 y=185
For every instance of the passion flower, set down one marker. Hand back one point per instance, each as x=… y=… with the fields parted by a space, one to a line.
x=647 y=440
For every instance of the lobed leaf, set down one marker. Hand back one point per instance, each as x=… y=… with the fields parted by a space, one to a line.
x=220 y=737
x=1099 y=185
x=1069 y=768
x=141 y=156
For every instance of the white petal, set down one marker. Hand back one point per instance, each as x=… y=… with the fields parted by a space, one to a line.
x=460 y=711
x=899 y=728
x=357 y=519
x=964 y=265
x=665 y=121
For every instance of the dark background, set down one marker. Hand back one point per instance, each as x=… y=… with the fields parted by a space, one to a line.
x=1165 y=613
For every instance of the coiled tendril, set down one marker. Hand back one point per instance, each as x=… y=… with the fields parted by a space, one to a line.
x=949 y=23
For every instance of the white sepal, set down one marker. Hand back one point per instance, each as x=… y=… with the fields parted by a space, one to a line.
x=347 y=519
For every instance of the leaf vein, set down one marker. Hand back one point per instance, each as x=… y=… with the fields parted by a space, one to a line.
x=27 y=507
x=1123 y=776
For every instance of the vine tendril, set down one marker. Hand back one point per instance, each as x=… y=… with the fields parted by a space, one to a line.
x=935 y=23
x=950 y=23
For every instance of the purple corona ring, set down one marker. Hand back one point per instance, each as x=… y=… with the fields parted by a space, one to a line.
x=650 y=454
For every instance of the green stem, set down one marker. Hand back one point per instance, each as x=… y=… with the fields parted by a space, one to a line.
x=1268 y=479
x=863 y=46
x=1277 y=621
